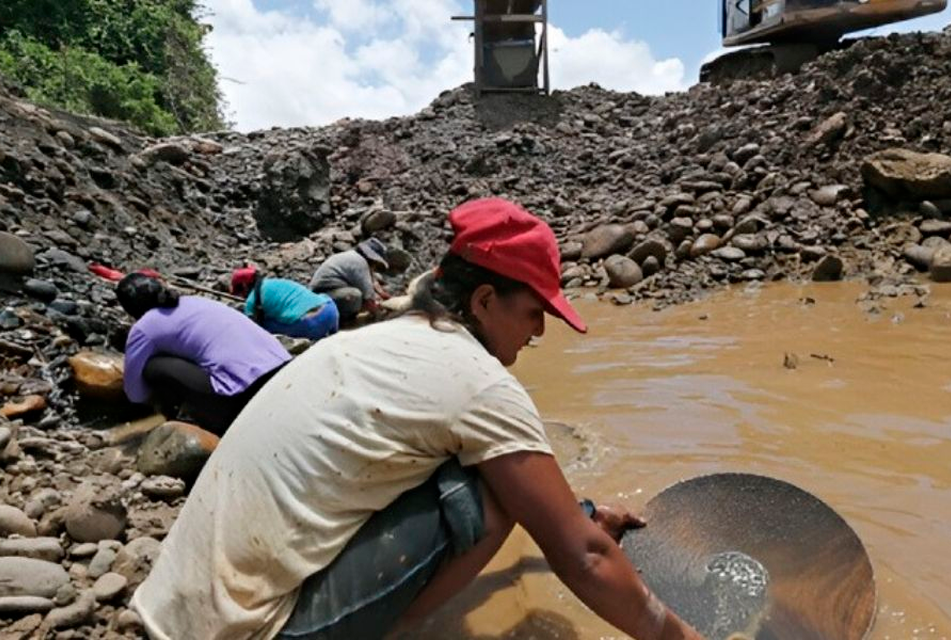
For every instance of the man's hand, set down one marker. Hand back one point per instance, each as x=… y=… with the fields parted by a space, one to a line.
x=616 y=520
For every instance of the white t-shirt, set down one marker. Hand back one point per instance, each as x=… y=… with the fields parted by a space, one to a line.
x=335 y=436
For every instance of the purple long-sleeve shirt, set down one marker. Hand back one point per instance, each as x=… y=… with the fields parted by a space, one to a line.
x=224 y=342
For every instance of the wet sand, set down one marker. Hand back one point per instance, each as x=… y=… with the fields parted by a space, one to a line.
x=648 y=398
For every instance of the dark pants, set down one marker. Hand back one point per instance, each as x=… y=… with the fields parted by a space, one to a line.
x=366 y=589
x=349 y=301
x=183 y=390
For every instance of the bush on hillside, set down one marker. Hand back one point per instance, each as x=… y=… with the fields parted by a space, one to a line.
x=135 y=60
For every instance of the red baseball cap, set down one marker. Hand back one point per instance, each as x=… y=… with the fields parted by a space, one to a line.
x=242 y=279
x=501 y=236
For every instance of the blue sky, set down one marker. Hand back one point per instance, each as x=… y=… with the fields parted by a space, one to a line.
x=310 y=62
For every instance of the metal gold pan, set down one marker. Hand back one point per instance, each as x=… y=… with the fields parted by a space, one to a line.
x=747 y=556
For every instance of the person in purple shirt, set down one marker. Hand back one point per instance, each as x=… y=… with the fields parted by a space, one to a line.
x=197 y=359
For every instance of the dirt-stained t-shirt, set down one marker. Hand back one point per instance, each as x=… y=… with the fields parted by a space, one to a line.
x=336 y=435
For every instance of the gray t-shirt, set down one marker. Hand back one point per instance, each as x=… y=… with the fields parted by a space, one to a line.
x=347 y=269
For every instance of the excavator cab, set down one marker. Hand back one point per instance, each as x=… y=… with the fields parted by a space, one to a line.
x=798 y=30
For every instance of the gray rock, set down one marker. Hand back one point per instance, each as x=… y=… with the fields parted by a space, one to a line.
x=103 y=136
x=704 y=245
x=95 y=512
x=606 y=240
x=829 y=130
x=377 y=220
x=622 y=272
x=109 y=586
x=829 y=195
x=16 y=256
x=679 y=229
x=918 y=256
x=929 y=209
x=902 y=173
x=30 y=577
x=935 y=228
x=811 y=253
x=128 y=621
x=22 y=605
x=13 y=521
x=570 y=251
x=750 y=243
x=84 y=550
x=748 y=151
x=5 y=435
x=295 y=195
x=829 y=269
x=40 y=289
x=941 y=265
x=650 y=266
x=62 y=258
x=729 y=254
x=753 y=274
x=750 y=224
x=175 y=449
x=45 y=548
x=647 y=248
x=101 y=563
x=40 y=502
x=73 y=615
x=135 y=559
x=169 y=152
x=165 y=487
x=67 y=594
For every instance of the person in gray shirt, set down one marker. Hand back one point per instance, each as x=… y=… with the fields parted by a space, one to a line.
x=347 y=278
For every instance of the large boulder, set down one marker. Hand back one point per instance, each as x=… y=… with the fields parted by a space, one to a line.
x=606 y=240
x=176 y=449
x=16 y=256
x=904 y=174
x=295 y=196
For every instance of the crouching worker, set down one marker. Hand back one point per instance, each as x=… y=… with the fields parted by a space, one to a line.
x=377 y=474
x=197 y=359
x=348 y=278
x=284 y=306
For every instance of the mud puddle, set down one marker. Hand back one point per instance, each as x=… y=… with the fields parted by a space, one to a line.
x=793 y=382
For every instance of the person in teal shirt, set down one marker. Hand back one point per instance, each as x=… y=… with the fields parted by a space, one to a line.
x=284 y=306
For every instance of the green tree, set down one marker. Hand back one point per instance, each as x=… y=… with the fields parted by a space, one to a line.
x=136 y=60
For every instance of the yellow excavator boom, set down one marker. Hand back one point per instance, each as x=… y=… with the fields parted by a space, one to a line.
x=812 y=21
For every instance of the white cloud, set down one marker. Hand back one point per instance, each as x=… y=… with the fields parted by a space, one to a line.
x=354 y=15
x=380 y=58
x=612 y=62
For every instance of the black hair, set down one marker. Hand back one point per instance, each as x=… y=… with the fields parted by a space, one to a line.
x=447 y=295
x=139 y=293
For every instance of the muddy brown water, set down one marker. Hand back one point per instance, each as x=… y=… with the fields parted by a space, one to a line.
x=648 y=398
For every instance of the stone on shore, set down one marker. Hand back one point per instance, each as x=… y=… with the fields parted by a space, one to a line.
x=14 y=522
x=622 y=272
x=175 y=449
x=30 y=577
x=98 y=375
x=95 y=512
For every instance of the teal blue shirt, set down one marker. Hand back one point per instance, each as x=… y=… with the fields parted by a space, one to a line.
x=285 y=300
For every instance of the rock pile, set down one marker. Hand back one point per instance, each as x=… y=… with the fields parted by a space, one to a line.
x=840 y=171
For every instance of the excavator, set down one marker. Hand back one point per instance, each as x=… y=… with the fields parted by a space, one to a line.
x=793 y=32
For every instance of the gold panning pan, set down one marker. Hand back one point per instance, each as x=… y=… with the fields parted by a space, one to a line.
x=746 y=556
